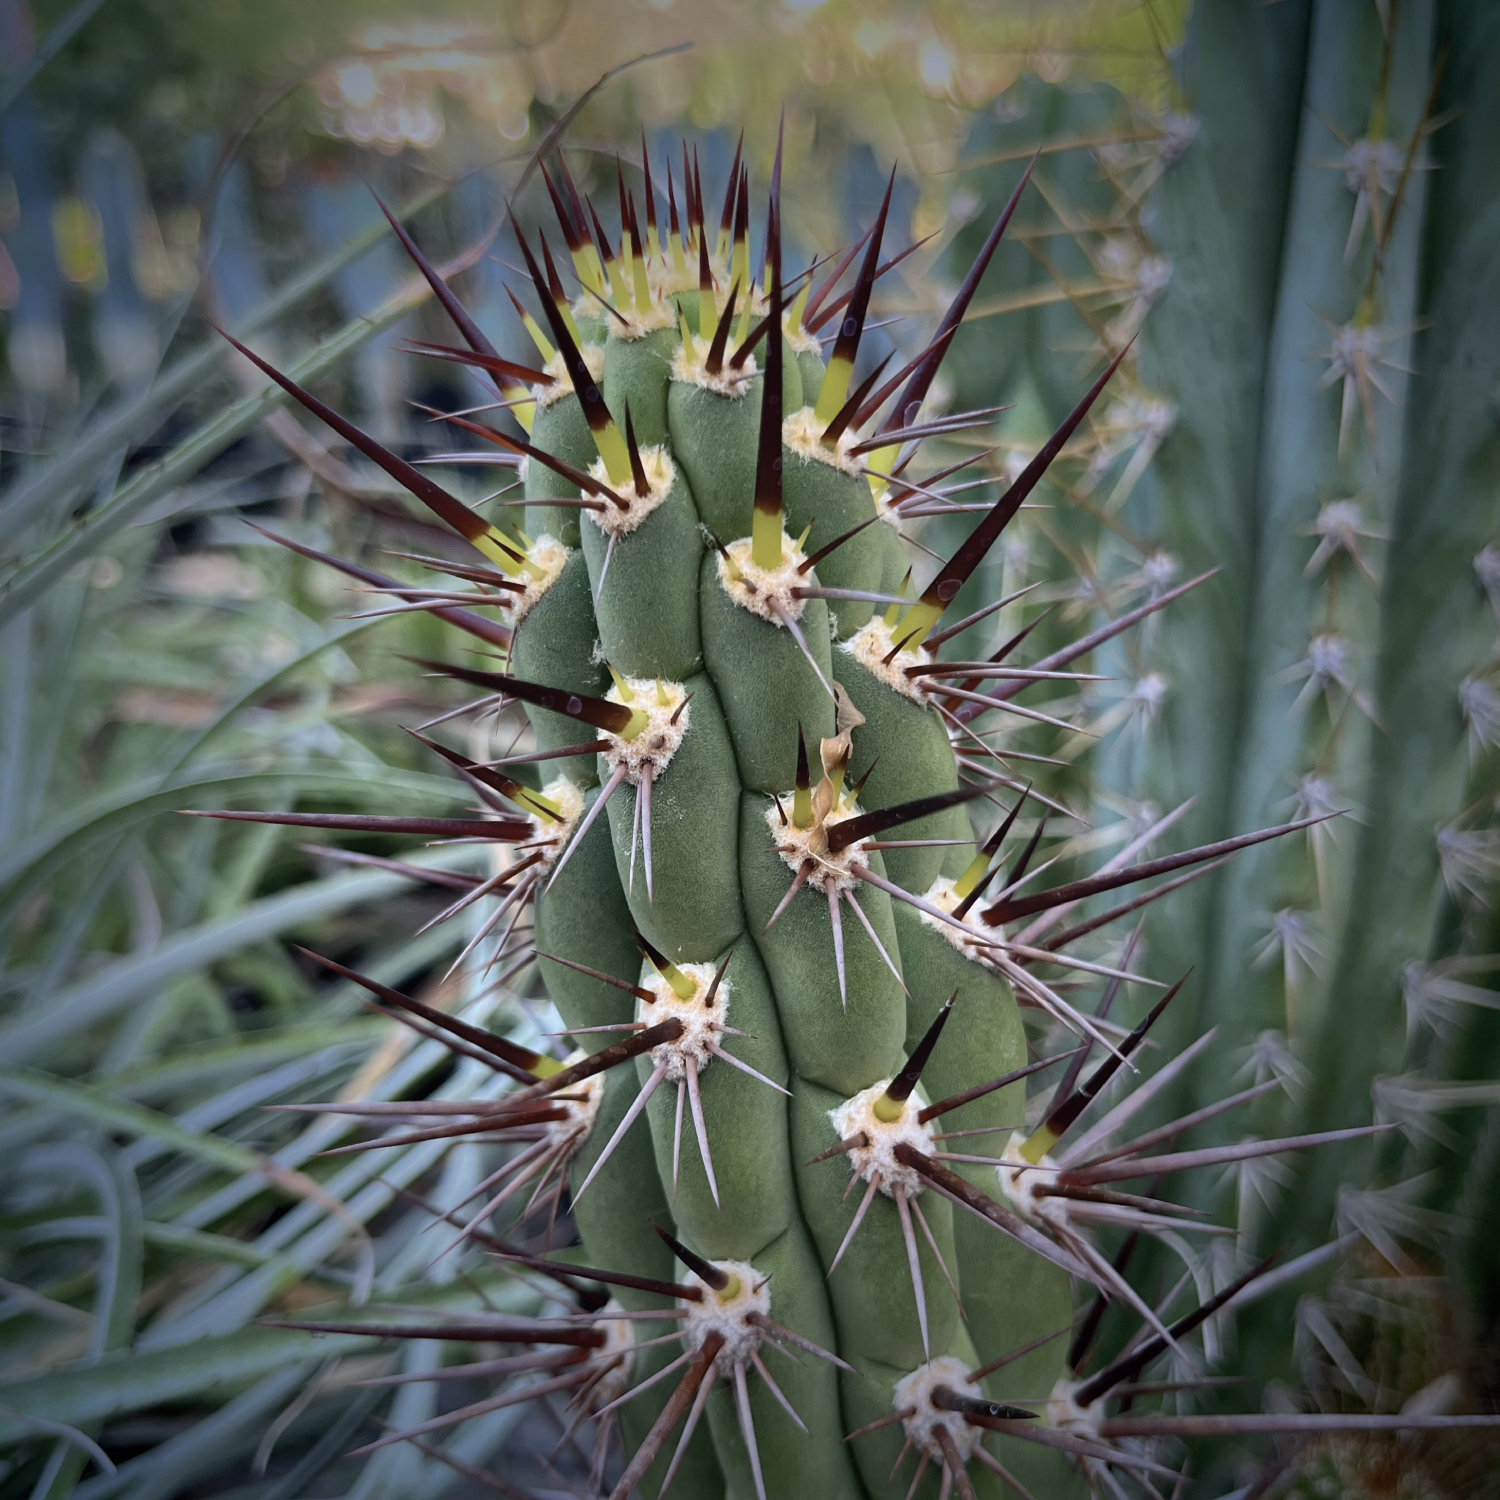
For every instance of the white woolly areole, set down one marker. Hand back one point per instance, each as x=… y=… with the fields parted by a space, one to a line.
x=756 y=588
x=562 y=382
x=870 y=647
x=980 y=947
x=886 y=508
x=802 y=432
x=857 y=1116
x=637 y=324
x=913 y=1394
x=615 y=520
x=657 y=743
x=799 y=846
x=702 y=1025
x=616 y=1356
x=798 y=339
x=667 y=281
x=548 y=554
x=1065 y=1413
x=726 y=1312
x=689 y=367
x=554 y=833
x=581 y=1102
x=1020 y=1181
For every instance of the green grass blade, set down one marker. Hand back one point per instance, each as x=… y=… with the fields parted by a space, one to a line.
x=127 y=807
x=134 y=978
x=117 y=1283
x=212 y=1367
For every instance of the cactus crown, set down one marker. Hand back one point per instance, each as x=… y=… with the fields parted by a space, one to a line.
x=751 y=889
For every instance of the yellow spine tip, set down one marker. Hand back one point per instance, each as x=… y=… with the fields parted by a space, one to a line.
x=765 y=539
x=683 y=987
x=916 y=624
x=540 y=804
x=1038 y=1144
x=540 y=339
x=833 y=392
x=794 y=319
x=639 y=719
x=615 y=454
x=627 y=694
x=522 y=555
x=494 y=546
x=971 y=876
x=802 y=808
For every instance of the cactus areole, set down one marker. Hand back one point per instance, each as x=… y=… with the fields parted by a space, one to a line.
x=793 y=1137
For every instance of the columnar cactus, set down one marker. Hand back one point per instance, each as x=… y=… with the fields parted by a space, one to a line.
x=796 y=1119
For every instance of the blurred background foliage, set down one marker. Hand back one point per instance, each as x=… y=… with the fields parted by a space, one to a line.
x=168 y=164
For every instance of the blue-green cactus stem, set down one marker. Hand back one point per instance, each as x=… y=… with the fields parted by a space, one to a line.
x=871 y=1288
x=822 y=495
x=751 y=1200
x=692 y=911
x=1011 y=1295
x=793 y=1463
x=614 y=1219
x=767 y=686
x=844 y=1049
x=713 y=440
x=646 y=598
x=637 y=371
x=559 y=429
x=583 y=917
x=904 y=749
x=556 y=645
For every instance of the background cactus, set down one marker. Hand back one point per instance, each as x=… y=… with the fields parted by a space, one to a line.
x=653 y=904
x=1302 y=451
